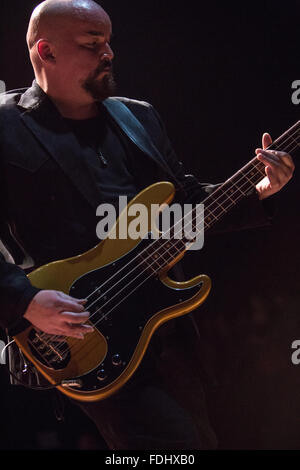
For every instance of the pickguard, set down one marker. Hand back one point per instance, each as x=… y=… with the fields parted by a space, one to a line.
x=124 y=298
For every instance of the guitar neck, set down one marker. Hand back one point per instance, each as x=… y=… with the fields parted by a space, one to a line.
x=221 y=201
x=244 y=181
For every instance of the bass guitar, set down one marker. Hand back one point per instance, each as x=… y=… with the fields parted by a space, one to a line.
x=129 y=291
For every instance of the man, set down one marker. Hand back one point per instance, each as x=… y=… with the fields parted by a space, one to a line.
x=61 y=156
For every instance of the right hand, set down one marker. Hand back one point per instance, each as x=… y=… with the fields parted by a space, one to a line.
x=59 y=314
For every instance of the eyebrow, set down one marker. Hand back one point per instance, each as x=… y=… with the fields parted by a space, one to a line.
x=95 y=33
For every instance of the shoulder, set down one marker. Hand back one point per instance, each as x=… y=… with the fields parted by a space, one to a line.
x=136 y=106
x=143 y=110
x=133 y=103
x=11 y=97
x=9 y=101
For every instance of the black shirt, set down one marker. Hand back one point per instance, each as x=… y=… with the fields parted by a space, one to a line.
x=111 y=163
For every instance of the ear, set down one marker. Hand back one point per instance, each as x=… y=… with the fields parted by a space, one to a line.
x=45 y=51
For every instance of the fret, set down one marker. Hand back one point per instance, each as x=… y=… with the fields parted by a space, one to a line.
x=259 y=167
x=244 y=181
x=147 y=264
x=162 y=257
x=173 y=248
x=294 y=140
x=209 y=220
x=215 y=208
x=218 y=203
x=153 y=262
x=191 y=230
x=236 y=189
x=161 y=253
x=245 y=176
x=289 y=138
x=156 y=257
x=253 y=175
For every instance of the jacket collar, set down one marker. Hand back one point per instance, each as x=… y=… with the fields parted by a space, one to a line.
x=33 y=97
x=43 y=119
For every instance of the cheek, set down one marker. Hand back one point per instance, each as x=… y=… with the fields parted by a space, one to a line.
x=77 y=65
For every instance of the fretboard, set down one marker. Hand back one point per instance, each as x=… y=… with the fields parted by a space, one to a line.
x=227 y=195
x=244 y=181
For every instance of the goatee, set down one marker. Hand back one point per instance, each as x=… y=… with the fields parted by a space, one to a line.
x=100 y=89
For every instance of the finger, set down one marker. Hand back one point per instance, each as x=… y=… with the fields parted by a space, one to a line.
x=283 y=157
x=279 y=170
x=80 y=301
x=268 y=158
x=266 y=140
x=67 y=297
x=69 y=306
x=72 y=317
x=274 y=182
x=268 y=153
x=63 y=332
x=79 y=331
x=55 y=331
x=277 y=177
x=272 y=158
x=286 y=159
x=73 y=334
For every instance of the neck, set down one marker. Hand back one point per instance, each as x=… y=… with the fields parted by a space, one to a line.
x=66 y=104
x=164 y=252
x=75 y=111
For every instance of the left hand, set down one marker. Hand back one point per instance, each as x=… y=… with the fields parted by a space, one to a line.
x=279 y=168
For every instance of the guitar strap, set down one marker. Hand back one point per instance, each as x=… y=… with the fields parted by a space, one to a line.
x=136 y=132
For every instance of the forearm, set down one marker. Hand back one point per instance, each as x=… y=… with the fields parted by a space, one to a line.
x=16 y=293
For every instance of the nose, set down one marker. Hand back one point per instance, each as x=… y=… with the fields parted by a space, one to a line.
x=108 y=52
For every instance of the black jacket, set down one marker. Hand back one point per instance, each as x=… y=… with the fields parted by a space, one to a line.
x=49 y=199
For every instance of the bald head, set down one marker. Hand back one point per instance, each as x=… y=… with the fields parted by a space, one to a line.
x=69 y=45
x=51 y=17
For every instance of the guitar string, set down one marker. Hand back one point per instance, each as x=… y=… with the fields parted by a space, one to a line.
x=62 y=354
x=180 y=221
x=274 y=143
x=151 y=254
x=51 y=338
x=39 y=352
x=135 y=267
x=165 y=232
x=153 y=273
x=214 y=201
x=81 y=347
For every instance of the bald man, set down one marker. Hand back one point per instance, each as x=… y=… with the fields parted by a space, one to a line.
x=72 y=37
x=62 y=154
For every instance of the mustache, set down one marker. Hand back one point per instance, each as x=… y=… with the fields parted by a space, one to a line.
x=104 y=65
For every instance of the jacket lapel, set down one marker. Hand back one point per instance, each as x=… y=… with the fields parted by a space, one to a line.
x=43 y=119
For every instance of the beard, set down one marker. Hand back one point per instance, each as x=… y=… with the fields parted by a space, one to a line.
x=103 y=88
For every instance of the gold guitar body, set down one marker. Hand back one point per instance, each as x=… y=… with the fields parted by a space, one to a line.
x=107 y=364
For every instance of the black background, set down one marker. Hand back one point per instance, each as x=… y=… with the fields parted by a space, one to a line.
x=220 y=75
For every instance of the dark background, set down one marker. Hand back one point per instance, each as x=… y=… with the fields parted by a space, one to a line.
x=220 y=75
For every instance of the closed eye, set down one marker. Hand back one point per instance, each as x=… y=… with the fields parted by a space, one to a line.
x=92 y=44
